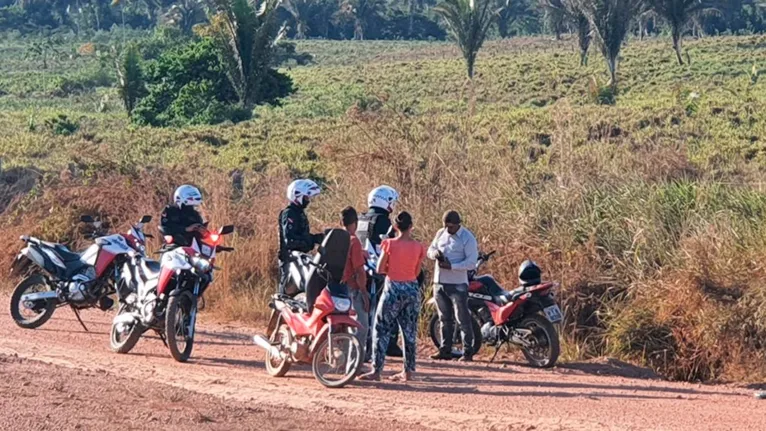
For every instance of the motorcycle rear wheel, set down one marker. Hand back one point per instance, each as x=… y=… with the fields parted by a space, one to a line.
x=44 y=310
x=434 y=329
x=337 y=357
x=176 y=317
x=546 y=350
x=124 y=344
x=278 y=367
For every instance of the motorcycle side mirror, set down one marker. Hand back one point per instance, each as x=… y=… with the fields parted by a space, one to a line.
x=87 y=219
x=226 y=229
x=146 y=219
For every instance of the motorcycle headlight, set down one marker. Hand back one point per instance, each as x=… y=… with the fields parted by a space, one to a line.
x=200 y=264
x=341 y=304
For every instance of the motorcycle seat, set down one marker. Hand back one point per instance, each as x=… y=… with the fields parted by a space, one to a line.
x=63 y=252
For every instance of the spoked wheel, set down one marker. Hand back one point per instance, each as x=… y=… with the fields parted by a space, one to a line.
x=179 y=326
x=434 y=329
x=124 y=336
x=278 y=366
x=544 y=346
x=32 y=314
x=337 y=364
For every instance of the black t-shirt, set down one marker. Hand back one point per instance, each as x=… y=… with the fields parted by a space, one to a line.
x=175 y=220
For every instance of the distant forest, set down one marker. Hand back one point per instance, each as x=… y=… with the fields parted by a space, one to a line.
x=352 y=19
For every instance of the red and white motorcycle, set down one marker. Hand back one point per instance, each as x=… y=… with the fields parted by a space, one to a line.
x=163 y=296
x=57 y=276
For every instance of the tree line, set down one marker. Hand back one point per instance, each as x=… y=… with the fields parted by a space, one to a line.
x=370 y=19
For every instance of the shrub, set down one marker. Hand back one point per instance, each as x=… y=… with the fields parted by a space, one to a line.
x=62 y=125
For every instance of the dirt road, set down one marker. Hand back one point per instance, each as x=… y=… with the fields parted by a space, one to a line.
x=227 y=378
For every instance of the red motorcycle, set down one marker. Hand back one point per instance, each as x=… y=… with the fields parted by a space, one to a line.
x=523 y=317
x=323 y=336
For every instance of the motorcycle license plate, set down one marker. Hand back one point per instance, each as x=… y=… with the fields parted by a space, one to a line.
x=553 y=313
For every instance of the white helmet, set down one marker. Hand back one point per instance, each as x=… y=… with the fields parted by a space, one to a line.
x=383 y=197
x=300 y=189
x=187 y=195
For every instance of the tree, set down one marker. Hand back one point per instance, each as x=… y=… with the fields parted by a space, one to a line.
x=677 y=13
x=362 y=13
x=131 y=84
x=300 y=10
x=611 y=21
x=573 y=16
x=246 y=34
x=468 y=22
x=186 y=13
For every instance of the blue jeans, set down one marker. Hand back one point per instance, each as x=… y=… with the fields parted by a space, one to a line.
x=399 y=304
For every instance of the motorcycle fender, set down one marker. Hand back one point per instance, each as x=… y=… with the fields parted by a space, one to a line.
x=538 y=303
x=21 y=264
x=332 y=321
x=273 y=322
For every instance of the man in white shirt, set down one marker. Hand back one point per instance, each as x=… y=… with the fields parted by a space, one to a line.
x=455 y=251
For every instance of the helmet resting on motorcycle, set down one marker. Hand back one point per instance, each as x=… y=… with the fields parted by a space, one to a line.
x=529 y=274
x=187 y=195
x=383 y=197
x=300 y=192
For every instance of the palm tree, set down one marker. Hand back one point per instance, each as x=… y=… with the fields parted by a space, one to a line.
x=186 y=13
x=363 y=13
x=678 y=13
x=131 y=85
x=572 y=15
x=300 y=10
x=468 y=21
x=246 y=34
x=611 y=21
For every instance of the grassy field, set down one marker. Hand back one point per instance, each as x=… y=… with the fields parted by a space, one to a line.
x=650 y=212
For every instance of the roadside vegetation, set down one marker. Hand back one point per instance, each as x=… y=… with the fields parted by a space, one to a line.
x=642 y=195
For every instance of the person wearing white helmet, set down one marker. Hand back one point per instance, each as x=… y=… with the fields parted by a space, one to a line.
x=375 y=224
x=294 y=229
x=180 y=220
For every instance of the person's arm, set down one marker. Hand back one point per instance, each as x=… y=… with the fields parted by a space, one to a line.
x=382 y=267
x=358 y=260
x=471 y=250
x=433 y=250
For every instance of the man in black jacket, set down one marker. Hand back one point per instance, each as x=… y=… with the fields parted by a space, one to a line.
x=294 y=229
x=180 y=220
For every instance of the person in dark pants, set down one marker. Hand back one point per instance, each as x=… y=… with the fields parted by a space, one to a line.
x=180 y=220
x=455 y=251
x=294 y=229
x=374 y=226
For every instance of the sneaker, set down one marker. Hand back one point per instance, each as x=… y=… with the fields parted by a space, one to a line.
x=441 y=356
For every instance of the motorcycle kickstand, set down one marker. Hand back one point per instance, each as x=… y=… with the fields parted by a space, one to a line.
x=77 y=314
x=497 y=350
x=162 y=337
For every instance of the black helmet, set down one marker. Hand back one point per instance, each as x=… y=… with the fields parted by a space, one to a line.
x=529 y=274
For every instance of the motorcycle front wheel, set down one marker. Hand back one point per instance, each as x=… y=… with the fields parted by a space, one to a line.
x=545 y=348
x=124 y=341
x=334 y=366
x=179 y=335
x=31 y=315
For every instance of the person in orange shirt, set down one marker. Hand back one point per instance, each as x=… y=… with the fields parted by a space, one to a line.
x=355 y=277
x=400 y=261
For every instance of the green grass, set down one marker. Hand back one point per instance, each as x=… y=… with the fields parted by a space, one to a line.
x=651 y=212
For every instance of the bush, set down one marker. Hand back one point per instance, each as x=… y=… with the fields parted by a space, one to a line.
x=62 y=125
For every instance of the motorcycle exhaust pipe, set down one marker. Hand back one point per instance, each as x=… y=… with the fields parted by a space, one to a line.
x=262 y=342
x=124 y=318
x=37 y=296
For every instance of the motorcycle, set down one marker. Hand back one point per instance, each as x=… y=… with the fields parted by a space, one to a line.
x=163 y=296
x=58 y=277
x=523 y=317
x=323 y=336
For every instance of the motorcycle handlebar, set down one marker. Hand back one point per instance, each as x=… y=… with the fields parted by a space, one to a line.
x=223 y=248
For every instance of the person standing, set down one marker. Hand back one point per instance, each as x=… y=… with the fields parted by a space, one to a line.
x=400 y=302
x=355 y=278
x=455 y=251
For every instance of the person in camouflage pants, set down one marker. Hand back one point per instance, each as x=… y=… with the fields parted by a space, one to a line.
x=399 y=304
